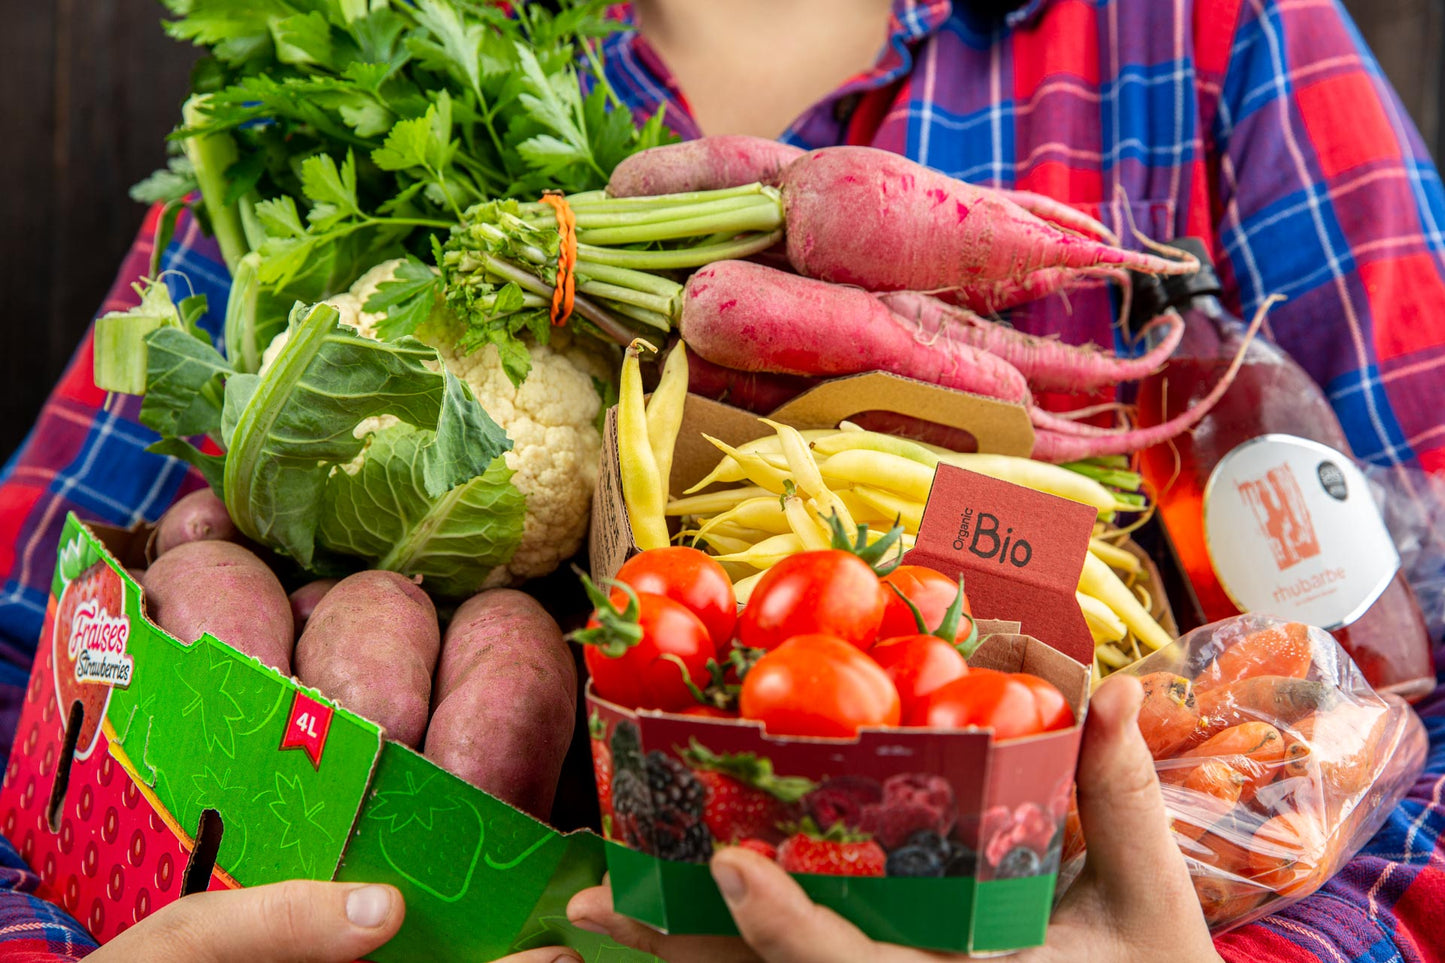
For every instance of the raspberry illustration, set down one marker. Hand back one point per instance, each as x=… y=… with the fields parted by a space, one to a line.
x=841 y=800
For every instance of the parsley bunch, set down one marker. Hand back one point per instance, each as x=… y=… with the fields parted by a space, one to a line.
x=326 y=136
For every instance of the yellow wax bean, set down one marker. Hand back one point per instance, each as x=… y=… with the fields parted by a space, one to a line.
x=879 y=470
x=1104 y=625
x=1099 y=580
x=664 y=411
x=1115 y=556
x=642 y=491
x=713 y=503
x=908 y=513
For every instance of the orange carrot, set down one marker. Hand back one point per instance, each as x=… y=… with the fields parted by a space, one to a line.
x=1280 y=650
x=1168 y=717
x=1269 y=698
x=1225 y=899
x=1252 y=749
x=1291 y=854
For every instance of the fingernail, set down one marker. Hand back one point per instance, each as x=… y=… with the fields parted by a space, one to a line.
x=568 y=958
x=369 y=906
x=589 y=926
x=729 y=882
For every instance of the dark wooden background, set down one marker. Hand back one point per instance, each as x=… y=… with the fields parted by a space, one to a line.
x=89 y=88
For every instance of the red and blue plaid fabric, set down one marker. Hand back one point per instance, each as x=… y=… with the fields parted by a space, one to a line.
x=1261 y=125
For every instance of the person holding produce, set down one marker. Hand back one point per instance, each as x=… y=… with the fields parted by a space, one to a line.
x=1262 y=127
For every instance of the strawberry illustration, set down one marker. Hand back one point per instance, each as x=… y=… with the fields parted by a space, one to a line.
x=92 y=597
x=601 y=764
x=744 y=798
x=836 y=852
x=114 y=857
x=409 y=820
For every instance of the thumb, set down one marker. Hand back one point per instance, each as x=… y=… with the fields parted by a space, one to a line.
x=1131 y=850
x=298 y=921
x=777 y=919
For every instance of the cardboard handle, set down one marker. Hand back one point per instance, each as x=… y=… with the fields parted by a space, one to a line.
x=999 y=427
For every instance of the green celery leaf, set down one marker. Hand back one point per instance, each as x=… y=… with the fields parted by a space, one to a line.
x=172 y=183
x=421 y=141
x=383 y=514
x=286 y=430
x=407 y=301
x=302 y=39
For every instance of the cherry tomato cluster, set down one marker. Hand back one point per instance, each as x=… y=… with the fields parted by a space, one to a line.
x=824 y=647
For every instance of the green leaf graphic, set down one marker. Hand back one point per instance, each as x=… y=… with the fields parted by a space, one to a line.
x=215 y=710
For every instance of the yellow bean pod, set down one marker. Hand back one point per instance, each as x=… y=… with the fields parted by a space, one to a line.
x=642 y=491
x=1115 y=557
x=664 y=411
x=878 y=469
x=713 y=503
x=1099 y=580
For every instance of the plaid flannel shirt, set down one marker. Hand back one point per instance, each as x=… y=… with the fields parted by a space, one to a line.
x=1263 y=126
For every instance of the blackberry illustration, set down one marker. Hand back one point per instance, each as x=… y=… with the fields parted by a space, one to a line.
x=626 y=746
x=631 y=799
x=632 y=809
x=678 y=799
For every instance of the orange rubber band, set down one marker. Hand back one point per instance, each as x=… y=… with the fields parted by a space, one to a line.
x=565 y=289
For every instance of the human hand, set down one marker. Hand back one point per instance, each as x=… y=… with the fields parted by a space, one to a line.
x=298 y=921
x=1133 y=901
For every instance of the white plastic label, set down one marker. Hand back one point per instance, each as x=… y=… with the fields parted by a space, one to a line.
x=1292 y=531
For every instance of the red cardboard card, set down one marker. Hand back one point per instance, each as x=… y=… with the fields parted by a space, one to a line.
x=1020 y=553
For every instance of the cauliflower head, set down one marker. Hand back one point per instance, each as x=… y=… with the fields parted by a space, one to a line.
x=551 y=419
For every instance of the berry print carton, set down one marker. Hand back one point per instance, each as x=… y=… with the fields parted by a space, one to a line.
x=938 y=839
x=145 y=769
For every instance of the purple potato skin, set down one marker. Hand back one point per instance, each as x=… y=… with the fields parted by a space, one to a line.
x=371 y=644
x=506 y=700
x=220 y=588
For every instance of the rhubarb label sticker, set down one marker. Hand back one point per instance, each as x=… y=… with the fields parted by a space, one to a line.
x=1292 y=531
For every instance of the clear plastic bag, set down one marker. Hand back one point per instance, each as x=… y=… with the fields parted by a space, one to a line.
x=1276 y=759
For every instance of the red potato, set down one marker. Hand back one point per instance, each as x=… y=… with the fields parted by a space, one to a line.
x=305 y=599
x=868 y=217
x=1047 y=363
x=709 y=163
x=371 y=644
x=198 y=517
x=506 y=699
x=221 y=588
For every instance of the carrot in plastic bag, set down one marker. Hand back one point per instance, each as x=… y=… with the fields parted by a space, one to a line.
x=1167 y=718
x=1279 y=700
x=1278 y=650
x=1254 y=750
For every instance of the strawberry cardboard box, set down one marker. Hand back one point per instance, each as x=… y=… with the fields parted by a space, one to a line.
x=930 y=838
x=145 y=769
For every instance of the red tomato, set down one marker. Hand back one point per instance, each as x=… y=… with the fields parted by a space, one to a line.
x=984 y=699
x=918 y=664
x=831 y=592
x=818 y=685
x=639 y=677
x=930 y=590
x=708 y=712
x=1054 y=711
x=691 y=577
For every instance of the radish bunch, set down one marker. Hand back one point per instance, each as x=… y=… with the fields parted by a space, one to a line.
x=861 y=233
